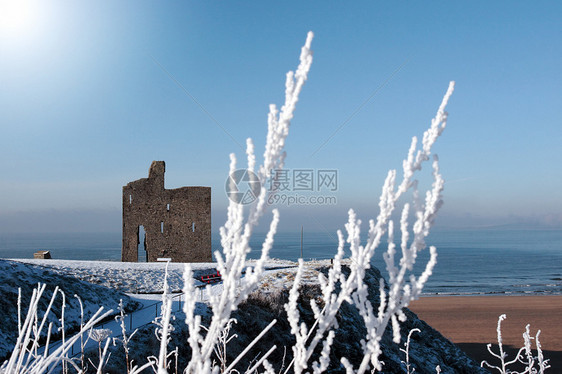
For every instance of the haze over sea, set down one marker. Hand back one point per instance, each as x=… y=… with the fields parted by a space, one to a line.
x=470 y=262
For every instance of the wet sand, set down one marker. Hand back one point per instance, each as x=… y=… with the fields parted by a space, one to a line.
x=471 y=322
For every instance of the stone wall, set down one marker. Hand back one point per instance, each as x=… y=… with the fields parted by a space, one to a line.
x=177 y=222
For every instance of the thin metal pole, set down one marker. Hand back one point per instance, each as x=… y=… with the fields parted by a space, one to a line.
x=302 y=229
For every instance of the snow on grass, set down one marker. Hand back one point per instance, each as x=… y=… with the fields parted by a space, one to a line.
x=103 y=283
x=278 y=279
x=135 y=277
x=15 y=275
x=130 y=277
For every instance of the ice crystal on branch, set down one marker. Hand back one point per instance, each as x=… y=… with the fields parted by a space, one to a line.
x=401 y=288
x=26 y=356
x=526 y=359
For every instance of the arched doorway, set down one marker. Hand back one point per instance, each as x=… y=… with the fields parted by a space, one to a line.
x=142 y=255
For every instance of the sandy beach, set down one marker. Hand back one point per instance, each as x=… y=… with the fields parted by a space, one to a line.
x=471 y=322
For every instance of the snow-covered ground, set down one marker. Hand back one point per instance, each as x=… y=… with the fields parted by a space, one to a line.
x=130 y=277
x=16 y=276
x=134 y=277
x=103 y=283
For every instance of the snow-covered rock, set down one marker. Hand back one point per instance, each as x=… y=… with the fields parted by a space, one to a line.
x=427 y=348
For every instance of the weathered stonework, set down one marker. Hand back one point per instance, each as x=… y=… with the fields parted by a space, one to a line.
x=177 y=222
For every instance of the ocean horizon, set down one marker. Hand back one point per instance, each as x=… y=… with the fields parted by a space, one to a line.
x=470 y=261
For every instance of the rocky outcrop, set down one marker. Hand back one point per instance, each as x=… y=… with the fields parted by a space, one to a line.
x=428 y=349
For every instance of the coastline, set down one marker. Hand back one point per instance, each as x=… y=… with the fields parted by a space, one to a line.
x=471 y=322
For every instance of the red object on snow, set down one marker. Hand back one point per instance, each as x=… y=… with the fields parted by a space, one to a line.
x=211 y=278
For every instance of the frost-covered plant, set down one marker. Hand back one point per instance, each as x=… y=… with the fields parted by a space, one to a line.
x=83 y=342
x=236 y=233
x=527 y=359
x=224 y=339
x=100 y=336
x=164 y=328
x=406 y=351
x=352 y=288
x=125 y=338
x=337 y=287
x=27 y=357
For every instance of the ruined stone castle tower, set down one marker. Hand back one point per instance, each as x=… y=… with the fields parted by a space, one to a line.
x=176 y=222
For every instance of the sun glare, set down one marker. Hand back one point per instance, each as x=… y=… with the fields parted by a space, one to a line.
x=16 y=17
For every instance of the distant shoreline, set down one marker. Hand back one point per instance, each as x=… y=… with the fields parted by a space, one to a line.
x=495 y=294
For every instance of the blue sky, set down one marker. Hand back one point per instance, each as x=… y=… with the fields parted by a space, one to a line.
x=85 y=104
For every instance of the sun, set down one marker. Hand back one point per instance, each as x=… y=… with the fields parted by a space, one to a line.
x=16 y=17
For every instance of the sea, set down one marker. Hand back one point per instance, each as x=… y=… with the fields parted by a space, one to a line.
x=470 y=261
